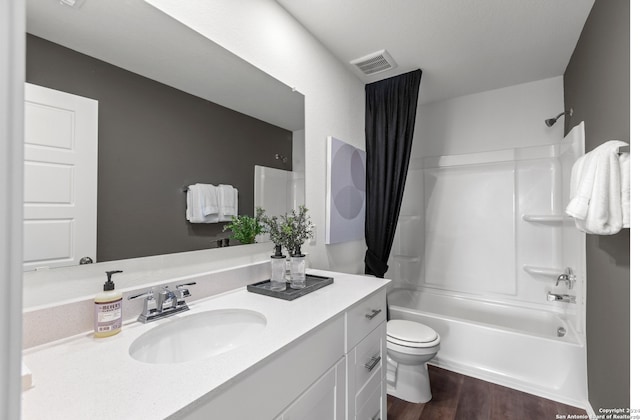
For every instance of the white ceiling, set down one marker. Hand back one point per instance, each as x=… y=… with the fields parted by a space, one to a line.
x=462 y=46
x=135 y=36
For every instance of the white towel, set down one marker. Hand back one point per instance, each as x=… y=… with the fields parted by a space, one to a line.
x=202 y=198
x=228 y=199
x=596 y=202
x=625 y=173
x=210 y=201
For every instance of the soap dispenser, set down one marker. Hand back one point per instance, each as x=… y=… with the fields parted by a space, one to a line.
x=108 y=309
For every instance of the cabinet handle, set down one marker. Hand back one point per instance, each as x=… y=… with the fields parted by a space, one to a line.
x=373 y=313
x=373 y=362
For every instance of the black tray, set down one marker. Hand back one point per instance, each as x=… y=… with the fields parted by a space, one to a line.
x=313 y=283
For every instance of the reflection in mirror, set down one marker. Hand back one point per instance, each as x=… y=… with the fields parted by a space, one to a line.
x=173 y=109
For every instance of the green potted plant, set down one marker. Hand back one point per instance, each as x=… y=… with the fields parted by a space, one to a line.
x=289 y=230
x=244 y=229
x=271 y=226
x=296 y=228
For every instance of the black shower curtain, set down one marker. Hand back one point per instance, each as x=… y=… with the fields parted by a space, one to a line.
x=389 y=122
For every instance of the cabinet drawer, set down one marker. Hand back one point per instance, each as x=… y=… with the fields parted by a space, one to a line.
x=364 y=317
x=368 y=356
x=369 y=402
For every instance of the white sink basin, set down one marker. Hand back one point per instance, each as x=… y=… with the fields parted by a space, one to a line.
x=198 y=336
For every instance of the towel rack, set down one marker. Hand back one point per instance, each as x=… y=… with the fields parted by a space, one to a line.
x=624 y=149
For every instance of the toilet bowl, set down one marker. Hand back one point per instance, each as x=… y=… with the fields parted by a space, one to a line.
x=410 y=345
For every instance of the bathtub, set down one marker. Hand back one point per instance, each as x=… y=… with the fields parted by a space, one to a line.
x=508 y=345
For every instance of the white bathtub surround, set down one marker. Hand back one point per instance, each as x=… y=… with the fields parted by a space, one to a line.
x=81 y=377
x=485 y=233
x=477 y=223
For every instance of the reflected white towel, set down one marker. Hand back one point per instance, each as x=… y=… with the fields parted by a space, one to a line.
x=596 y=201
x=210 y=200
x=198 y=197
x=625 y=174
x=228 y=199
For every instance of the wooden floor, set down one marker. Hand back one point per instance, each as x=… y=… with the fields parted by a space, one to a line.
x=459 y=397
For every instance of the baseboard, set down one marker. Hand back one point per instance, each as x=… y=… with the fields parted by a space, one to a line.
x=589 y=410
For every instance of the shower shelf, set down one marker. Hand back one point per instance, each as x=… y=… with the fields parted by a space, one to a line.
x=543 y=271
x=544 y=218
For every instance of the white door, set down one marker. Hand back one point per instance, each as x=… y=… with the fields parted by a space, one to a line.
x=60 y=178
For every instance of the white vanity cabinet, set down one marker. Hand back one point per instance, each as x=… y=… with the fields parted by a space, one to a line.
x=290 y=384
x=363 y=395
x=333 y=373
x=366 y=350
x=324 y=400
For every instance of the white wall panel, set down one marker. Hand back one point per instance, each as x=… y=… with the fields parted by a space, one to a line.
x=470 y=228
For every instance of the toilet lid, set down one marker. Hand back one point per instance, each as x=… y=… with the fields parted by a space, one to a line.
x=410 y=332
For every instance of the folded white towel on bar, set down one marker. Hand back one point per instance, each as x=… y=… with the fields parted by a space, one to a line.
x=596 y=190
x=210 y=199
x=228 y=199
x=202 y=200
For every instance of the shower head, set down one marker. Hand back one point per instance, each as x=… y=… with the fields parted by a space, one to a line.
x=549 y=122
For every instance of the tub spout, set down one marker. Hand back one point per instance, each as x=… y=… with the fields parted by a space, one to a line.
x=561 y=298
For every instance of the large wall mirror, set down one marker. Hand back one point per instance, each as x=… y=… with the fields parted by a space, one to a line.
x=174 y=109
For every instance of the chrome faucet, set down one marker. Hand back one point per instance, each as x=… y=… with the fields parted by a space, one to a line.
x=551 y=297
x=567 y=277
x=162 y=302
x=166 y=300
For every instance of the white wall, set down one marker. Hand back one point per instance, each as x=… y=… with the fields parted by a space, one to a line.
x=262 y=33
x=497 y=119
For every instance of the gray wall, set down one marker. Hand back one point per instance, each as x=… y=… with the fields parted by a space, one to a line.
x=152 y=141
x=596 y=85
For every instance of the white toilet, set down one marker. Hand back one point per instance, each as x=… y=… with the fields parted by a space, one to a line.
x=410 y=345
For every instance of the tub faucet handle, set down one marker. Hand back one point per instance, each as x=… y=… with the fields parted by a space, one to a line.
x=567 y=277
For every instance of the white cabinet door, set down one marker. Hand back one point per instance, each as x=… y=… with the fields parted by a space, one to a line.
x=324 y=400
x=60 y=178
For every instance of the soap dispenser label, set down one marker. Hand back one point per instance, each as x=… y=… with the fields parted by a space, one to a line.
x=108 y=316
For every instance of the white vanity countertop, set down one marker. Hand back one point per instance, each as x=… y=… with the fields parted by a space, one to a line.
x=83 y=377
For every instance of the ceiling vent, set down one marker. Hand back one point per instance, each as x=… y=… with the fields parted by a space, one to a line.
x=375 y=63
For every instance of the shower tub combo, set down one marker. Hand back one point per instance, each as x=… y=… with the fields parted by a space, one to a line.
x=480 y=243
